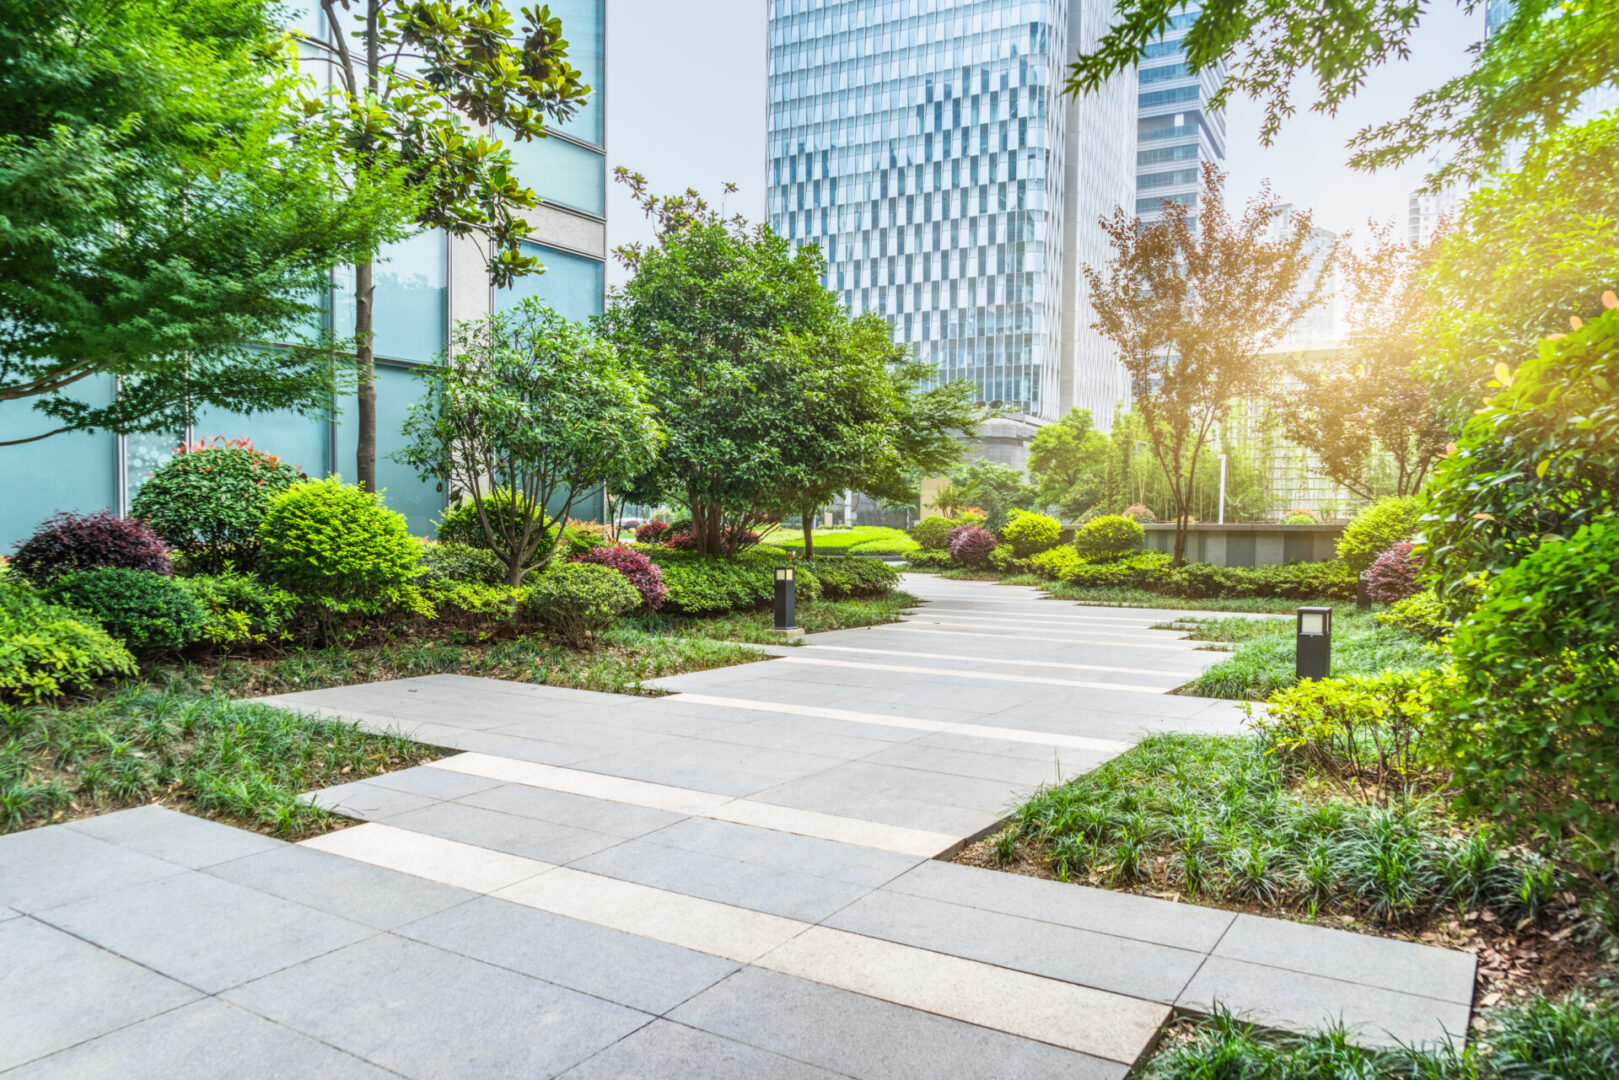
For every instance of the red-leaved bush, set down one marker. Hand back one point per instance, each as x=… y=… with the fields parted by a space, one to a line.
x=1393 y=575
x=652 y=532
x=68 y=542
x=733 y=541
x=638 y=570
x=969 y=545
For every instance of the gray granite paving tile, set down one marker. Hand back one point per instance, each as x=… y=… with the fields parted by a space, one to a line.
x=944 y=789
x=633 y=971
x=604 y=737
x=57 y=865
x=489 y=742
x=205 y=1040
x=806 y=737
x=433 y=783
x=244 y=933
x=1121 y=965
x=1405 y=966
x=729 y=881
x=786 y=851
x=173 y=836
x=1019 y=772
x=847 y=798
x=597 y=815
x=548 y=841
x=1183 y=926
x=367 y=801
x=429 y=1014
x=864 y=1037
x=58 y=991
x=668 y=1050
x=1300 y=1002
x=9 y=913
x=352 y=890
x=705 y=765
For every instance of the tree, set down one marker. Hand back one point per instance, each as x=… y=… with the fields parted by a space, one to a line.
x=1526 y=79
x=1191 y=309
x=1068 y=462
x=994 y=488
x=533 y=407
x=1371 y=416
x=162 y=208
x=409 y=77
x=706 y=317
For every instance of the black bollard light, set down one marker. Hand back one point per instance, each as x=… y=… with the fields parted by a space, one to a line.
x=1363 y=598
x=784 y=598
x=1313 y=658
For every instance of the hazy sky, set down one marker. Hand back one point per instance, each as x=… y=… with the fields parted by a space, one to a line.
x=685 y=106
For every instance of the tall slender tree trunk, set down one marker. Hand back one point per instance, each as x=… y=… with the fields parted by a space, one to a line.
x=365 y=360
x=809 y=533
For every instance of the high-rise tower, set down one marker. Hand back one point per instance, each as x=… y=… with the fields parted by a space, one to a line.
x=1176 y=133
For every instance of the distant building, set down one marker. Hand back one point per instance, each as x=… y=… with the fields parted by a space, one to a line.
x=1176 y=133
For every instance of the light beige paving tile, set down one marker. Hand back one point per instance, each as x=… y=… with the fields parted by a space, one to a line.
x=982 y=676
x=1091 y=1021
x=1058 y=637
x=1006 y=660
x=674 y=918
x=493 y=767
x=832 y=827
x=450 y=862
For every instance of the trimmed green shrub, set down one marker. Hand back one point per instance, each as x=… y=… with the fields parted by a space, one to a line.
x=47 y=650
x=140 y=608
x=1142 y=571
x=901 y=545
x=1030 y=533
x=929 y=560
x=705 y=585
x=847 y=579
x=577 y=601
x=1004 y=559
x=638 y=570
x=1299 y=581
x=1533 y=730
x=460 y=524
x=1421 y=614
x=448 y=563
x=1139 y=514
x=1056 y=564
x=932 y=532
x=1112 y=536
x=208 y=501
x=1299 y=518
x=240 y=609
x=1377 y=528
x=473 y=603
x=339 y=549
x=67 y=542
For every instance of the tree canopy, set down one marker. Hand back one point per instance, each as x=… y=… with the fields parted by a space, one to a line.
x=1068 y=462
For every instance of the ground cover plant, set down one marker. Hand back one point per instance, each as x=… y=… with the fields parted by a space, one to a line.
x=1264 y=658
x=757 y=626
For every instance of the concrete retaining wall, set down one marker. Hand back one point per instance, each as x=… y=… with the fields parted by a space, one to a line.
x=1250 y=545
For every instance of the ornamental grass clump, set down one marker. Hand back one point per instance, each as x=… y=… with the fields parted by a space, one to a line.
x=209 y=499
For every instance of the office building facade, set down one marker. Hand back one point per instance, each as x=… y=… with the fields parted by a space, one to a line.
x=424 y=285
x=1176 y=133
x=925 y=146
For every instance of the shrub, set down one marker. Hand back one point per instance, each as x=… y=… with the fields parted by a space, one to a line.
x=1142 y=571
x=847 y=579
x=1299 y=581
x=1421 y=614
x=577 y=601
x=1112 y=536
x=209 y=499
x=338 y=548
x=932 y=532
x=47 y=650
x=929 y=560
x=1030 y=533
x=652 y=532
x=472 y=603
x=460 y=524
x=1377 y=528
x=240 y=609
x=445 y=564
x=732 y=541
x=68 y=542
x=1393 y=575
x=1004 y=559
x=901 y=545
x=1139 y=514
x=970 y=545
x=705 y=585
x=582 y=536
x=1055 y=564
x=142 y=609
x=1531 y=728
x=637 y=569
x=1299 y=517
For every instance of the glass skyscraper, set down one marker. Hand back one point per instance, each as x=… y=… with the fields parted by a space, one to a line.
x=925 y=146
x=1175 y=131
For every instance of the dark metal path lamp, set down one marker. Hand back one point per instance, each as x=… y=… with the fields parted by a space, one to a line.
x=784 y=599
x=1314 y=652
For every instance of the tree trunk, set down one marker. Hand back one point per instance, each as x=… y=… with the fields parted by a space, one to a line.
x=365 y=359
x=809 y=531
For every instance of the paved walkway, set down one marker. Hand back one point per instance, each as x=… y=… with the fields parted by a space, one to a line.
x=734 y=881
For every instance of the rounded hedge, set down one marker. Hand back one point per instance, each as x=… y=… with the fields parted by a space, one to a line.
x=209 y=500
x=1111 y=536
x=453 y=563
x=142 y=609
x=1029 y=533
x=460 y=525
x=1377 y=528
x=67 y=542
x=337 y=545
x=577 y=601
x=642 y=574
x=50 y=650
x=1140 y=514
x=932 y=532
x=971 y=545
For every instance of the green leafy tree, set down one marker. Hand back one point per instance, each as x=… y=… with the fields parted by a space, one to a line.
x=410 y=80
x=532 y=406
x=995 y=489
x=1068 y=463
x=163 y=207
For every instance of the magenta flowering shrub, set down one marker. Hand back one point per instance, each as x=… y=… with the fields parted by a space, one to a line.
x=68 y=542
x=652 y=532
x=969 y=545
x=637 y=569
x=1393 y=575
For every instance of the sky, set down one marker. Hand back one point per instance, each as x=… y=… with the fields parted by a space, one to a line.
x=685 y=107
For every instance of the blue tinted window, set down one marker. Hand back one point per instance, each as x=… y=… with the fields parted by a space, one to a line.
x=410 y=302
x=300 y=441
x=583 y=30
x=572 y=284
x=397 y=389
x=72 y=471
x=561 y=172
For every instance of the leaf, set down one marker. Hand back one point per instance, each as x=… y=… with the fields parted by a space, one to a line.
x=1540 y=470
x=1575 y=321
x=1503 y=373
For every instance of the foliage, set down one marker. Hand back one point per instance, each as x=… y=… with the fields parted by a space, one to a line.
x=927 y=559
x=838 y=541
x=853 y=579
x=1068 y=463
x=506 y=513
x=651 y=532
x=1191 y=309
x=641 y=572
x=1393 y=575
x=1139 y=514
x=473 y=605
x=759 y=625
x=1266 y=662
x=209 y=499
x=1377 y=528
x=994 y=489
x=1110 y=537
x=1299 y=518
x=886 y=545
x=932 y=532
x=1030 y=533
x=1532 y=729
x=339 y=550
x=1421 y=614
x=142 y=609
x=1149 y=570
x=240 y=609
x=67 y=542
x=1536 y=463
x=1057 y=563
x=577 y=601
x=970 y=545
x=445 y=563
x=530 y=404
x=47 y=650
x=166 y=209
x=704 y=585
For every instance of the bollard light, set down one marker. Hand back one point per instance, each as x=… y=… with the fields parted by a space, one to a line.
x=784 y=598
x=1363 y=597
x=1313 y=658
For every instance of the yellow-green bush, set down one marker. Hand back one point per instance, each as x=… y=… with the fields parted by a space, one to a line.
x=1112 y=536
x=1030 y=533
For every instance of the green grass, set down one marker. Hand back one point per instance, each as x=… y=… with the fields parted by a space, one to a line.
x=1263 y=661
x=1573 y=1039
x=757 y=626
x=864 y=539
x=170 y=741
x=1121 y=597
x=1231 y=628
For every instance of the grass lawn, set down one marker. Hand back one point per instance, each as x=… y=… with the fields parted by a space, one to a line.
x=1265 y=653
x=860 y=539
